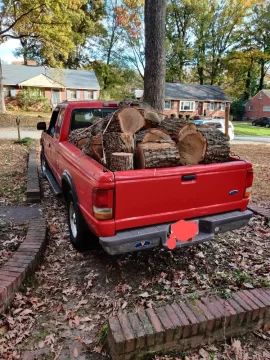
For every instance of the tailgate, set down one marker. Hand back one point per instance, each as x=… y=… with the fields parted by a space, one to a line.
x=153 y=196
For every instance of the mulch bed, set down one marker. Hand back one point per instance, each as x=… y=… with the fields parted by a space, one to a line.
x=11 y=236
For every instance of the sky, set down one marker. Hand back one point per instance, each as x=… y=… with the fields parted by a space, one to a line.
x=7 y=49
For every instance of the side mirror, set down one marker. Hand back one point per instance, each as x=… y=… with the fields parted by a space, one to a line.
x=41 y=125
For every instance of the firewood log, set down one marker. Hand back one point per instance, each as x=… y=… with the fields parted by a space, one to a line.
x=174 y=126
x=93 y=148
x=218 y=146
x=191 y=146
x=126 y=120
x=117 y=143
x=121 y=161
x=76 y=135
x=156 y=155
x=152 y=135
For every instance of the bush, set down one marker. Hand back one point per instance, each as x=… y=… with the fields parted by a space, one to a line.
x=32 y=99
x=25 y=141
x=187 y=117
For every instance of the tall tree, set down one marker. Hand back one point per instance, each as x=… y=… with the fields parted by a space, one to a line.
x=2 y=97
x=155 y=59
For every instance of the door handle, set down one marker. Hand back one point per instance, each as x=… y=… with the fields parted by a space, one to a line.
x=189 y=177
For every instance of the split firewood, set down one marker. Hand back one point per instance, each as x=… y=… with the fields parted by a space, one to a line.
x=218 y=146
x=152 y=135
x=121 y=161
x=117 y=143
x=93 y=148
x=157 y=155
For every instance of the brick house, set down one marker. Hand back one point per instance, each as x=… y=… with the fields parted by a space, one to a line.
x=259 y=105
x=55 y=84
x=193 y=99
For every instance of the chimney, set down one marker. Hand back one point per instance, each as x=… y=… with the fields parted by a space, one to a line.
x=31 y=63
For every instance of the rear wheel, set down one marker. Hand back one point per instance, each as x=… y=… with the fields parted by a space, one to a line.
x=267 y=125
x=80 y=236
x=253 y=123
x=43 y=164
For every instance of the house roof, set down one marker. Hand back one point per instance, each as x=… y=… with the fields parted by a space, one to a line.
x=73 y=79
x=267 y=92
x=194 y=92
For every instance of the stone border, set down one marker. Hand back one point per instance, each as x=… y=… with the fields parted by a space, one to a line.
x=188 y=324
x=259 y=210
x=33 y=192
x=23 y=262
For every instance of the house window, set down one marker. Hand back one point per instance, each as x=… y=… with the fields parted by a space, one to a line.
x=250 y=108
x=71 y=94
x=6 y=91
x=266 y=108
x=187 y=105
x=89 y=95
x=222 y=107
x=212 y=106
x=167 y=105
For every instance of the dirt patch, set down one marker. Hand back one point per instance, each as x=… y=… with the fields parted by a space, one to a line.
x=258 y=155
x=11 y=236
x=27 y=119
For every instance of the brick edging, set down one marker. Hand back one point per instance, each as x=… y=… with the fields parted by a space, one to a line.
x=33 y=186
x=24 y=261
x=259 y=210
x=187 y=324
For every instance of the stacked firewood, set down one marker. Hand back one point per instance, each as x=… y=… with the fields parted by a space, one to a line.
x=137 y=137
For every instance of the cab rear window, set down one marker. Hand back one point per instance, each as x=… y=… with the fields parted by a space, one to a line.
x=81 y=118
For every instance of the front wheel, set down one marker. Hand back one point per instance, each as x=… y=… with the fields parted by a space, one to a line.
x=80 y=236
x=267 y=125
x=253 y=124
x=43 y=164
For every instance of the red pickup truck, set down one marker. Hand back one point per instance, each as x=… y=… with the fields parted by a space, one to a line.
x=133 y=210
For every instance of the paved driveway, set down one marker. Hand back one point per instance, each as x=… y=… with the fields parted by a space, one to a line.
x=11 y=133
x=263 y=139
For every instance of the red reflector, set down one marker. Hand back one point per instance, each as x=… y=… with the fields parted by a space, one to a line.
x=249 y=178
x=103 y=198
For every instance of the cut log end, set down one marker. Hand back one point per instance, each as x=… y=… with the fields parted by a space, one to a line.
x=130 y=121
x=121 y=162
x=192 y=148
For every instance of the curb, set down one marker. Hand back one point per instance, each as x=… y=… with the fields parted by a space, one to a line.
x=259 y=210
x=33 y=193
x=188 y=324
x=23 y=262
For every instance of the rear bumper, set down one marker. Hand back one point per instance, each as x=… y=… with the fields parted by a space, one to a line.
x=153 y=236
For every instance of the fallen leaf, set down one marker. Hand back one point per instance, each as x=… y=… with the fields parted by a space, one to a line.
x=124 y=305
x=144 y=295
x=3 y=329
x=41 y=344
x=26 y=312
x=53 y=228
x=59 y=307
x=77 y=320
x=75 y=352
x=85 y=319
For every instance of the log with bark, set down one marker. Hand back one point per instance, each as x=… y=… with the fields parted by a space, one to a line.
x=121 y=161
x=157 y=155
x=152 y=135
x=174 y=126
x=79 y=134
x=191 y=146
x=151 y=116
x=117 y=143
x=126 y=120
x=218 y=146
x=93 y=148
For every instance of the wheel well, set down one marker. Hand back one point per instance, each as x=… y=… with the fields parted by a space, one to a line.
x=65 y=188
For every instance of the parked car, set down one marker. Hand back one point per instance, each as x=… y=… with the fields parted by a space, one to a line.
x=219 y=124
x=133 y=210
x=263 y=121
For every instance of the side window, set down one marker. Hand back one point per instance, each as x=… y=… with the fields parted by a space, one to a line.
x=59 y=122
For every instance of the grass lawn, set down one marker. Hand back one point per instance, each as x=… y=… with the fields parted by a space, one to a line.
x=249 y=130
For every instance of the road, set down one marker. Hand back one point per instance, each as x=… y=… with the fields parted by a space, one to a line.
x=261 y=139
x=11 y=133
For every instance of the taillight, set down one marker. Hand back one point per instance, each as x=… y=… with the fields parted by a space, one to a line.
x=103 y=204
x=249 y=183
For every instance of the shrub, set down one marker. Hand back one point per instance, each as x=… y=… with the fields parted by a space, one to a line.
x=187 y=117
x=32 y=99
x=25 y=141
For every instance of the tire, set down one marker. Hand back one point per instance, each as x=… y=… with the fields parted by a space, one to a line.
x=80 y=236
x=267 y=125
x=253 y=123
x=43 y=164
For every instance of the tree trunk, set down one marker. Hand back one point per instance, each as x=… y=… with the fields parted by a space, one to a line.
x=218 y=147
x=262 y=75
x=117 y=143
x=127 y=120
x=121 y=161
x=156 y=155
x=2 y=94
x=155 y=59
x=152 y=135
